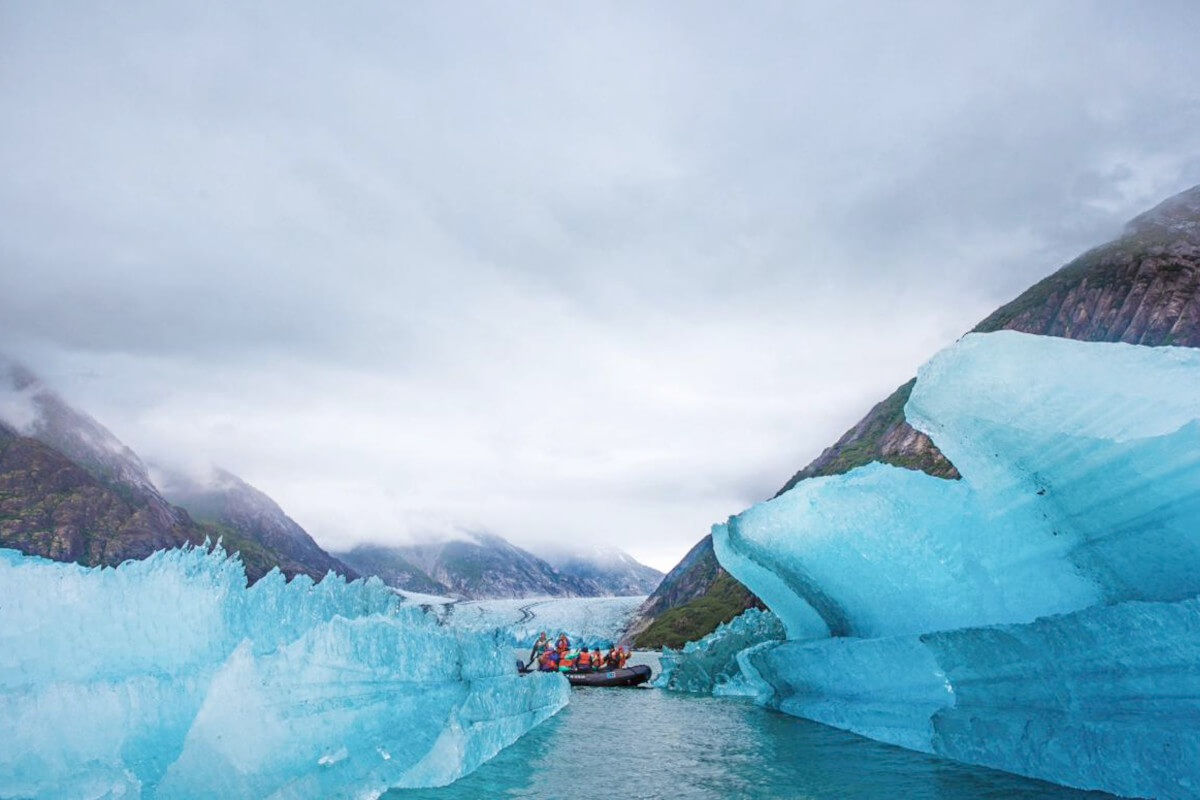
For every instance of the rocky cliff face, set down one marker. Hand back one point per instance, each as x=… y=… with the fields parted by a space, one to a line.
x=1142 y=288
x=52 y=507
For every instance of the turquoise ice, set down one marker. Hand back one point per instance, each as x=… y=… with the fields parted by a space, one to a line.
x=168 y=678
x=716 y=663
x=1036 y=615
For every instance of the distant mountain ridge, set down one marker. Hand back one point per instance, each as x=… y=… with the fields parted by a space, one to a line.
x=476 y=566
x=71 y=491
x=1141 y=288
x=613 y=570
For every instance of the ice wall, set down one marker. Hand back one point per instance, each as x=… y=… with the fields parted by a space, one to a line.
x=168 y=678
x=590 y=621
x=993 y=619
x=711 y=665
x=1105 y=698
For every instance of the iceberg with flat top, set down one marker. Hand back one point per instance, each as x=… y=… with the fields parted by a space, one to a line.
x=169 y=678
x=1038 y=615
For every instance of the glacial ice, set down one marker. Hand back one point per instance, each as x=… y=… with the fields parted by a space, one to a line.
x=1038 y=615
x=590 y=621
x=712 y=665
x=1106 y=698
x=168 y=678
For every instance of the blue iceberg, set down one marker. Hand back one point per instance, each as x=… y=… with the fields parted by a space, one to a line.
x=1038 y=615
x=718 y=664
x=168 y=678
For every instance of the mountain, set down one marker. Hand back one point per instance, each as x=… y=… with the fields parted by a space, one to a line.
x=392 y=567
x=1141 y=288
x=476 y=566
x=50 y=506
x=240 y=512
x=698 y=594
x=610 y=570
x=72 y=491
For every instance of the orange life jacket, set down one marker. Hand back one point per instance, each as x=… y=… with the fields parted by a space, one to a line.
x=597 y=659
x=621 y=656
x=567 y=661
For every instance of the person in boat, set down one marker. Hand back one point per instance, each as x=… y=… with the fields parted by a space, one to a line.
x=563 y=644
x=597 y=660
x=566 y=661
x=622 y=657
x=610 y=658
x=584 y=662
x=548 y=660
x=541 y=644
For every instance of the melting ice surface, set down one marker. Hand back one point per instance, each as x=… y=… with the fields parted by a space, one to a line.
x=1037 y=615
x=168 y=678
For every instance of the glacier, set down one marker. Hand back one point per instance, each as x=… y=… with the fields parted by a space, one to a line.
x=169 y=678
x=590 y=621
x=1040 y=614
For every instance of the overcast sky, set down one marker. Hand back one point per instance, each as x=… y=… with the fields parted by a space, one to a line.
x=558 y=271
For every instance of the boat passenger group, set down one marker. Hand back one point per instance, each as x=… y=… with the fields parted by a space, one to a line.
x=561 y=658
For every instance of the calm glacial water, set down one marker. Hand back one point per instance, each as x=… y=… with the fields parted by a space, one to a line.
x=636 y=744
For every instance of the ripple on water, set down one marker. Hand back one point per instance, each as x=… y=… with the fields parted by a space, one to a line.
x=648 y=743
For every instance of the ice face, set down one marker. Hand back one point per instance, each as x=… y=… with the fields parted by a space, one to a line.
x=994 y=619
x=1105 y=698
x=168 y=678
x=590 y=621
x=711 y=665
x=1081 y=485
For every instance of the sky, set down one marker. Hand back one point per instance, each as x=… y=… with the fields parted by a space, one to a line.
x=565 y=272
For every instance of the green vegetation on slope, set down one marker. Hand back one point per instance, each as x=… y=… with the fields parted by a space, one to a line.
x=724 y=600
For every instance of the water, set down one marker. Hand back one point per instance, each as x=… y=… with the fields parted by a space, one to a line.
x=643 y=743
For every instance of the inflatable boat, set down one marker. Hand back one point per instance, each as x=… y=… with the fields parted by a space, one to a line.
x=624 y=676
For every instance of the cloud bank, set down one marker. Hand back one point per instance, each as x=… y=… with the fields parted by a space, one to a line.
x=559 y=271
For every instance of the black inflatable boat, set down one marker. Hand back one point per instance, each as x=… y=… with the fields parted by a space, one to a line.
x=625 y=676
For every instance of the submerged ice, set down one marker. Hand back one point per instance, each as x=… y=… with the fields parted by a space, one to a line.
x=1036 y=615
x=168 y=678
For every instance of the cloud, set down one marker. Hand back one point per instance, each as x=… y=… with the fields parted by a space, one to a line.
x=563 y=271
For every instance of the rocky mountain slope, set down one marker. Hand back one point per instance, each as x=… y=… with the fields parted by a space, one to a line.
x=71 y=491
x=1141 y=288
x=391 y=566
x=237 y=510
x=50 y=506
x=698 y=594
